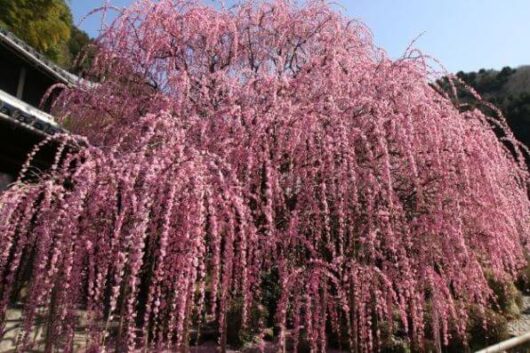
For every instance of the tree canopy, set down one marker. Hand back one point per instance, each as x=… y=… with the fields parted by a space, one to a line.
x=46 y=25
x=509 y=90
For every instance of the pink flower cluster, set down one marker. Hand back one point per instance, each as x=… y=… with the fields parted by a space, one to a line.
x=224 y=145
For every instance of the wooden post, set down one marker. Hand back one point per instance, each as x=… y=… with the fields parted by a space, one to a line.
x=21 y=82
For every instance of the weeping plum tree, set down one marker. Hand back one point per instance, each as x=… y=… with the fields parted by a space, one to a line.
x=225 y=145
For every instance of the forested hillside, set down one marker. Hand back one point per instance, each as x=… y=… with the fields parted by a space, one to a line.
x=47 y=26
x=508 y=89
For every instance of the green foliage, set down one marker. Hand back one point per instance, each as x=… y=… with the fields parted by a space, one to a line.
x=486 y=328
x=508 y=298
x=487 y=82
x=78 y=40
x=81 y=54
x=43 y=24
x=47 y=26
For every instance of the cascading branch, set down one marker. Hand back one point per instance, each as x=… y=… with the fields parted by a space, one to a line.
x=229 y=147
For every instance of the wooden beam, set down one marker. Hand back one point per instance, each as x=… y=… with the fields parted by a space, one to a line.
x=505 y=345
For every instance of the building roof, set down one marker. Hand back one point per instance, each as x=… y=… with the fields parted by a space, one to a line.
x=18 y=112
x=33 y=57
x=22 y=125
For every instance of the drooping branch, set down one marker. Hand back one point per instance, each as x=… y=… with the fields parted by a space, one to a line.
x=264 y=155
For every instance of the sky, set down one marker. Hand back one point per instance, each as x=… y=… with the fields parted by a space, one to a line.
x=464 y=35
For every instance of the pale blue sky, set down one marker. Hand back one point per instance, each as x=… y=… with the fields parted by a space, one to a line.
x=463 y=34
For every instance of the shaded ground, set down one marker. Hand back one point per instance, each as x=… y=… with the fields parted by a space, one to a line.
x=522 y=324
x=8 y=343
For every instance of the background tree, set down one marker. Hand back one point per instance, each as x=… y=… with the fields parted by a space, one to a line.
x=46 y=25
x=81 y=52
x=43 y=24
x=508 y=89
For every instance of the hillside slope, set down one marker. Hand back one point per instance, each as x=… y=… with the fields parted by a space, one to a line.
x=508 y=89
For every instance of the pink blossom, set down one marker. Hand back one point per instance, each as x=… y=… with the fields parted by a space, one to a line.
x=221 y=146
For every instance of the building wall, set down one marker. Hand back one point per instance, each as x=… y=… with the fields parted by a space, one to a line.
x=36 y=82
x=16 y=140
x=9 y=72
